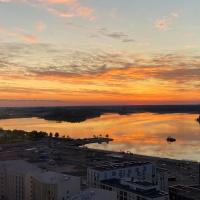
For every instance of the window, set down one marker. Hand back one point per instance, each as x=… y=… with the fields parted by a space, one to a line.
x=120 y=173
x=113 y=173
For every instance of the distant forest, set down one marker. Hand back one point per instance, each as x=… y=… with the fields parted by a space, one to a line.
x=80 y=114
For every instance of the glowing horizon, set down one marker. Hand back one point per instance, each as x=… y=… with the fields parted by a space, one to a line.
x=75 y=52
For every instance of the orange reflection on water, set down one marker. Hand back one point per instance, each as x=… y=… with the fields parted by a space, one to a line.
x=144 y=133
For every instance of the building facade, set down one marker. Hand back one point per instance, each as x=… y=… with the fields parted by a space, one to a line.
x=20 y=180
x=130 y=180
x=162 y=179
x=16 y=180
x=52 y=186
x=139 y=171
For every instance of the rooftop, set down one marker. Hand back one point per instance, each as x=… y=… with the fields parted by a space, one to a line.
x=19 y=166
x=143 y=183
x=112 y=166
x=53 y=177
x=151 y=193
x=187 y=191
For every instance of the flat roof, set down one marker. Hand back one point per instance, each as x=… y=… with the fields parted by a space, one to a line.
x=19 y=166
x=112 y=166
x=53 y=177
x=152 y=193
x=142 y=183
x=187 y=191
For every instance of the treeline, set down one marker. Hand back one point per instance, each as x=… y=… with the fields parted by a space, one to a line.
x=17 y=135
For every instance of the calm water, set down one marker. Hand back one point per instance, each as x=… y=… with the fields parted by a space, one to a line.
x=138 y=133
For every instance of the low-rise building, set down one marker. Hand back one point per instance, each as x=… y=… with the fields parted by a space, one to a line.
x=181 y=192
x=130 y=190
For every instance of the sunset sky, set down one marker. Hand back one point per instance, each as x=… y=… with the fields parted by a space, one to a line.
x=99 y=52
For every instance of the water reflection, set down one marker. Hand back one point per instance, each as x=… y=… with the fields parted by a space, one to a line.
x=139 y=133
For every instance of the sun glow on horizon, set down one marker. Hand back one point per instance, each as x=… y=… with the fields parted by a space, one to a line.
x=91 y=53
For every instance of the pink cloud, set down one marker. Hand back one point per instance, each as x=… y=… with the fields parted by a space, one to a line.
x=61 y=13
x=20 y=35
x=29 y=38
x=69 y=2
x=84 y=11
x=77 y=11
x=70 y=8
x=40 y=26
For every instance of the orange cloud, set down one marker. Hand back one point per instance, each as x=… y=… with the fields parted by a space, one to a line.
x=29 y=38
x=61 y=13
x=79 y=11
x=40 y=26
x=84 y=11
x=105 y=78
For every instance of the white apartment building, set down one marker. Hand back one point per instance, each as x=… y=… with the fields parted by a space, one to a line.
x=20 y=180
x=138 y=171
x=131 y=180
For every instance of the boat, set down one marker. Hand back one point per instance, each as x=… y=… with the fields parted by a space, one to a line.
x=171 y=139
x=198 y=119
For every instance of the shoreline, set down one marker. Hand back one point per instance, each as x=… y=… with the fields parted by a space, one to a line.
x=144 y=156
x=56 y=155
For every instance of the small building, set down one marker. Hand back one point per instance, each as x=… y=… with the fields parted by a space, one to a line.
x=134 y=190
x=181 y=192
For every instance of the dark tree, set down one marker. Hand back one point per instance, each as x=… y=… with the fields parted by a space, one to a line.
x=56 y=135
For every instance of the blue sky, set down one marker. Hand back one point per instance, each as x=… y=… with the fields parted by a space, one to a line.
x=136 y=18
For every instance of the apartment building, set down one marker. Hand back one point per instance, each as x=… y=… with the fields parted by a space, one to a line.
x=16 y=179
x=130 y=180
x=52 y=185
x=20 y=180
x=139 y=171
